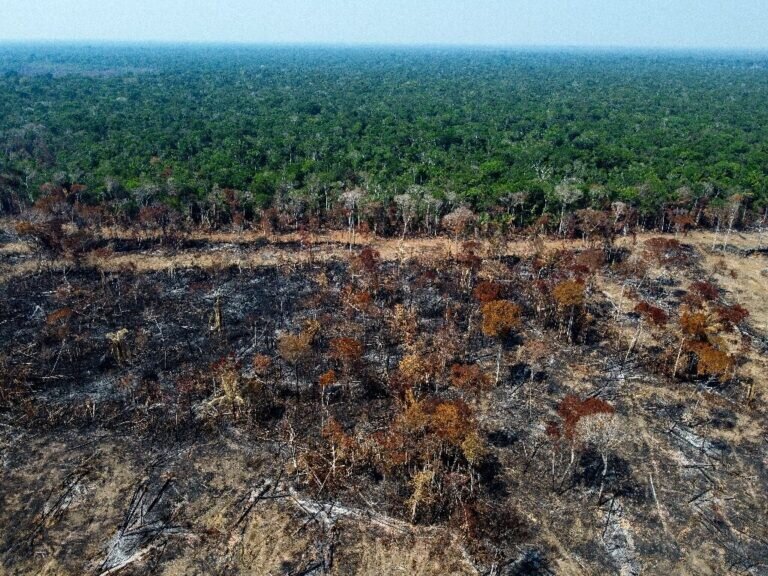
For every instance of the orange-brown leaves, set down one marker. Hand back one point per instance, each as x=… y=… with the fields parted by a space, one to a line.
x=500 y=317
x=710 y=361
x=369 y=259
x=404 y=323
x=486 y=292
x=334 y=433
x=25 y=228
x=705 y=290
x=731 y=316
x=469 y=377
x=359 y=300
x=588 y=260
x=417 y=369
x=569 y=293
x=694 y=324
x=572 y=409
x=667 y=251
x=652 y=314
x=346 y=350
x=447 y=421
x=451 y=421
x=261 y=364
x=58 y=316
x=683 y=222
x=327 y=378
x=295 y=348
x=468 y=255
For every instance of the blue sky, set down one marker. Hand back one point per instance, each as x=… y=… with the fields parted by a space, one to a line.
x=723 y=24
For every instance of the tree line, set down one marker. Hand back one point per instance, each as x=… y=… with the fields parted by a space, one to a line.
x=221 y=135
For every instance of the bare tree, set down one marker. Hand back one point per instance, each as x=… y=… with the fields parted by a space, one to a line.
x=408 y=207
x=458 y=221
x=604 y=432
x=351 y=200
x=732 y=211
x=568 y=193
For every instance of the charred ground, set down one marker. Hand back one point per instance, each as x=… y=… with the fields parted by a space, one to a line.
x=449 y=406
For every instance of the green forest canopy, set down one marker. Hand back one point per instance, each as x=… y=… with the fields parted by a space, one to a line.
x=474 y=124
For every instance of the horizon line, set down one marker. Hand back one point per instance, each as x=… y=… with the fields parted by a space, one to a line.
x=381 y=45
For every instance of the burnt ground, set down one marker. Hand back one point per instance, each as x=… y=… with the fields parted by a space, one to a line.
x=154 y=422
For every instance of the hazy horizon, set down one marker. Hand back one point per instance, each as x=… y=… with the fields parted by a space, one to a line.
x=522 y=48
x=685 y=25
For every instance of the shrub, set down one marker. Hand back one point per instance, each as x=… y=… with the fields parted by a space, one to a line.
x=731 y=316
x=500 y=317
x=468 y=377
x=572 y=409
x=569 y=293
x=486 y=292
x=652 y=314
x=346 y=350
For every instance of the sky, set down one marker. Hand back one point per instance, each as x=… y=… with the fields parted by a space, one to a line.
x=682 y=24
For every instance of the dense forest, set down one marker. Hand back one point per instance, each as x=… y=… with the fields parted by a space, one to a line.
x=225 y=132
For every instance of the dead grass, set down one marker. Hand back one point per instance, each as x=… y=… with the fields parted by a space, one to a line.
x=374 y=555
x=16 y=248
x=742 y=278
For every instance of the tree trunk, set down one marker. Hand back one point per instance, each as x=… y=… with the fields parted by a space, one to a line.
x=717 y=233
x=634 y=340
x=602 y=479
x=677 y=360
x=498 y=364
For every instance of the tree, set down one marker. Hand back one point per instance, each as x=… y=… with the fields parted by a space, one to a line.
x=351 y=200
x=297 y=348
x=458 y=221
x=710 y=361
x=567 y=192
x=468 y=377
x=348 y=352
x=487 y=291
x=534 y=351
x=326 y=380
x=118 y=345
x=500 y=317
x=699 y=338
x=731 y=316
x=407 y=206
x=584 y=422
x=732 y=213
x=604 y=431
x=649 y=314
x=569 y=296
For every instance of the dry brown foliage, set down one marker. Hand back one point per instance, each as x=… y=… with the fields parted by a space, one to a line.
x=710 y=361
x=369 y=259
x=469 y=377
x=666 y=251
x=500 y=317
x=569 y=293
x=694 y=324
x=572 y=409
x=57 y=316
x=261 y=364
x=294 y=347
x=705 y=290
x=731 y=316
x=345 y=350
x=404 y=323
x=487 y=291
x=652 y=314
